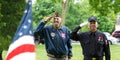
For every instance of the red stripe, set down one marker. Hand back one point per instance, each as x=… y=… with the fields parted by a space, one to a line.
x=21 y=49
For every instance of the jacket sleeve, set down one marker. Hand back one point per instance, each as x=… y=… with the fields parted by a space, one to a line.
x=106 y=49
x=74 y=35
x=69 y=44
x=39 y=30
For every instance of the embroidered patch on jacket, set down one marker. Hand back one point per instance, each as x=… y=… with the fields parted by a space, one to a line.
x=62 y=35
x=100 y=38
x=52 y=34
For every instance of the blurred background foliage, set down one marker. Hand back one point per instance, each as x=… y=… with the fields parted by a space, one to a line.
x=11 y=12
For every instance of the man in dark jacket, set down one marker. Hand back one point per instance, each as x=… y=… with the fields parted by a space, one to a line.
x=94 y=43
x=57 y=39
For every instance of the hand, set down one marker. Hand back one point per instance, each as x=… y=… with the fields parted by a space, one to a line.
x=48 y=19
x=83 y=24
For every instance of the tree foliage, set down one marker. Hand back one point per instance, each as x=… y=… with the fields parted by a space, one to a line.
x=107 y=11
x=105 y=7
x=106 y=24
x=11 y=13
x=76 y=14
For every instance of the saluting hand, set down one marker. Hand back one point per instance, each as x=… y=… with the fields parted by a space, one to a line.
x=48 y=19
x=83 y=24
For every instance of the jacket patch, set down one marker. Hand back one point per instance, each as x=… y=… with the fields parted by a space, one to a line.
x=52 y=34
x=62 y=35
x=100 y=38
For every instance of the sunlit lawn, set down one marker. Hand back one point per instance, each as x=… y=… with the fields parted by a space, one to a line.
x=77 y=52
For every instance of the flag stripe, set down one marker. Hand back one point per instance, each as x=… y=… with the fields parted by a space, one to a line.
x=21 y=41
x=24 y=56
x=21 y=49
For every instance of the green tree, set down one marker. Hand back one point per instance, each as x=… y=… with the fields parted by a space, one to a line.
x=0 y=11
x=105 y=24
x=76 y=14
x=104 y=7
x=10 y=16
x=106 y=11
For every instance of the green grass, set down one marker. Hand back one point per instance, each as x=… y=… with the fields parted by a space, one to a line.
x=77 y=52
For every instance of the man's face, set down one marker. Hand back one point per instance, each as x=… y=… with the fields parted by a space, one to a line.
x=93 y=26
x=57 y=22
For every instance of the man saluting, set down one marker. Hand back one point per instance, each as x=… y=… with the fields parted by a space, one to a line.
x=94 y=43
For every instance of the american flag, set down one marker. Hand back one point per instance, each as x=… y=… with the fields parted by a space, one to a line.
x=22 y=46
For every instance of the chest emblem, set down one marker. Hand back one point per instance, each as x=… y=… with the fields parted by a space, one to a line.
x=62 y=35
x=100 y=38
x=52 y=34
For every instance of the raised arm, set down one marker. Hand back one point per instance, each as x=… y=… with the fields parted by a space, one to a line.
x=74 y=35
x=40 y=27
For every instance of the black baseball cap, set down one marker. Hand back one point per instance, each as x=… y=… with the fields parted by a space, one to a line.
x=92 y=18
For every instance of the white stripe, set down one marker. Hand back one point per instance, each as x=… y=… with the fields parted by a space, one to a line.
x=24 y=56
x=27 y=39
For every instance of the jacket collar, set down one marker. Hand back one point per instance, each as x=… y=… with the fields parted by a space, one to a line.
x=96 y=32
x=55 y=28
